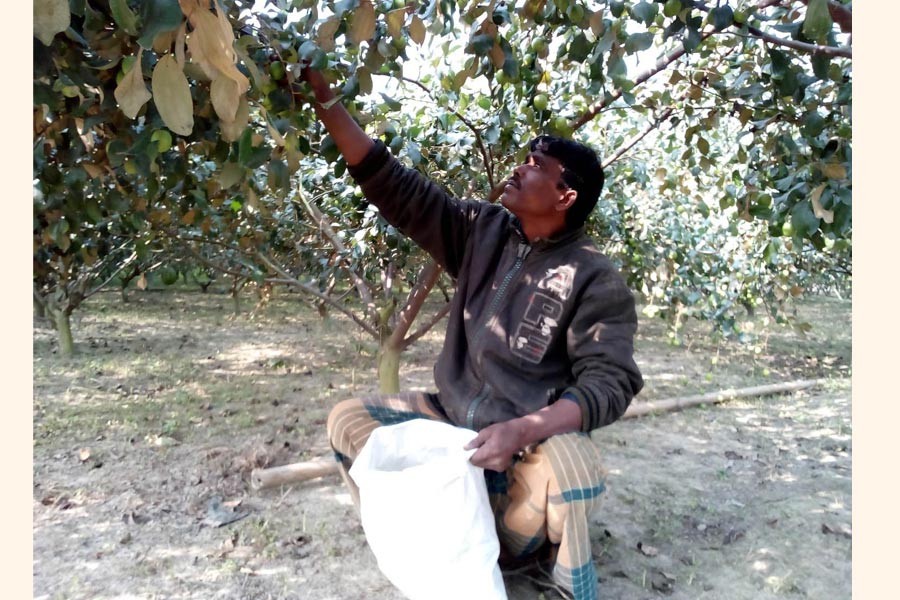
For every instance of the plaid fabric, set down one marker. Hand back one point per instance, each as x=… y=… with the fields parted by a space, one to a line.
x=547 y=496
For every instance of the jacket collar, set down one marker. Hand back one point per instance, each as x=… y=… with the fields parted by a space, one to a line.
x=541 y=244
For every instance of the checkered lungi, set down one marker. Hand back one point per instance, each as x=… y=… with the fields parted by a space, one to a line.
x=545 y=497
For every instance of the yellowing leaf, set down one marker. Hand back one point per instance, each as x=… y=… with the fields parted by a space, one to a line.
x=50 y=17
x=232 y=130
x=818 y=209
x=132 y=92
x=417 y=30
x=834 y=171
x=395 y=20
x=362 y=23
x=225 y=97
x=325 y=34
x=172 y=95
x=211 y=45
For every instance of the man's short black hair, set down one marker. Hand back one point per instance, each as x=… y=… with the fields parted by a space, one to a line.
x=582 y=172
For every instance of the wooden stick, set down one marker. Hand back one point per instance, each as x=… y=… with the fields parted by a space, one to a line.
x=673 y=404
x=292 y=473
x=321 y=467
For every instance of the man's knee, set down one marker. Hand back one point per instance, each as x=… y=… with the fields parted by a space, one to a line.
x=339 y=420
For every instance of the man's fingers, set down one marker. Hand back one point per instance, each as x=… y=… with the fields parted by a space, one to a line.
x=477 y=442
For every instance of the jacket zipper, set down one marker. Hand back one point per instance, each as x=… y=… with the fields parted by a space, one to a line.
x=521 y=253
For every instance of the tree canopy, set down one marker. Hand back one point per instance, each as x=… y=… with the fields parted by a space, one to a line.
x=179 y=132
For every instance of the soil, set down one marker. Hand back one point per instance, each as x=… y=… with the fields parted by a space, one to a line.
x=143 y=445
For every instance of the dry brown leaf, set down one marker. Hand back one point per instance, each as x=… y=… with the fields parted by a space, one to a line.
x=172 y=95
x=230 y=174
x=818 y=209
x=93 y=170
x=132 y=92
x=395 y=19
x=362 y=23
x=497 y=56
x=232 y=130
x=84 y=454
x=834 y=171
x=647 y=550
x=225 y=97
x=180 y=40
x=50 y=17
x=417 y=30
x=162 y=43
x=598 y=27
x=142 y=282
x=325 y=34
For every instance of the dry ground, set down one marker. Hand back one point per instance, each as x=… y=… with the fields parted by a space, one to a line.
x=143 y=444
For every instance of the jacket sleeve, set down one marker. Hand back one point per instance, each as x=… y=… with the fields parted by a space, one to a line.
x=416 y=206
x=600 y=343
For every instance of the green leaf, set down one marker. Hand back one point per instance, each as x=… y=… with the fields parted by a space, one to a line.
x=616 y=8
x=637 y=42
x=482 y=44
x=691 y=39
x=721 y=17
x=645 y=12
x=813 y=124
x=245 y=146
x=123 y=16
x=415 y=155
x=703 y=145
x=579 y=48
x=803 y=220
x=392 y=104
x=817 y=23
x=158 y=17
x=279 y=179
x=820 y=64
x=780 y=63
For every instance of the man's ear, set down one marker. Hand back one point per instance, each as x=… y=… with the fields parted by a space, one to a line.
x=566 y=200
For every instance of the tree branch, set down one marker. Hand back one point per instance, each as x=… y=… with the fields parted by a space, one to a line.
x=841 y=51
x=287 y=278
x=633 y=141
x=488 y=164
x=661 y=65
x=424 y=282
x=426 y=327
x=365 y=293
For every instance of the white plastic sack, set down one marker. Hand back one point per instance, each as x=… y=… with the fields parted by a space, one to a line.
x=425 y=511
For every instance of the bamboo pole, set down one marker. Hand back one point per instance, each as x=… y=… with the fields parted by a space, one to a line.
x=322 y=467
x=673 y=404
x=292 y=473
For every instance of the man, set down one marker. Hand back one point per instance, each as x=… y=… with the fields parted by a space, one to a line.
x=539 y=344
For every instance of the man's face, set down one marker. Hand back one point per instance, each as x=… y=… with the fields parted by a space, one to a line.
x=534 y=191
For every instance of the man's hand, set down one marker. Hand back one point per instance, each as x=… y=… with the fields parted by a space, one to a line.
x=497 y=444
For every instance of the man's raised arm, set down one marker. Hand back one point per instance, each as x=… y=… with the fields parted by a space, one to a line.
x=348 y=136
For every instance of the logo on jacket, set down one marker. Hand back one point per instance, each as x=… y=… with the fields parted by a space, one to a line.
x=535 y=332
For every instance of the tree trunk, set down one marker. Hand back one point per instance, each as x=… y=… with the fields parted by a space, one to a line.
x=64 y=331
x=389 y=368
